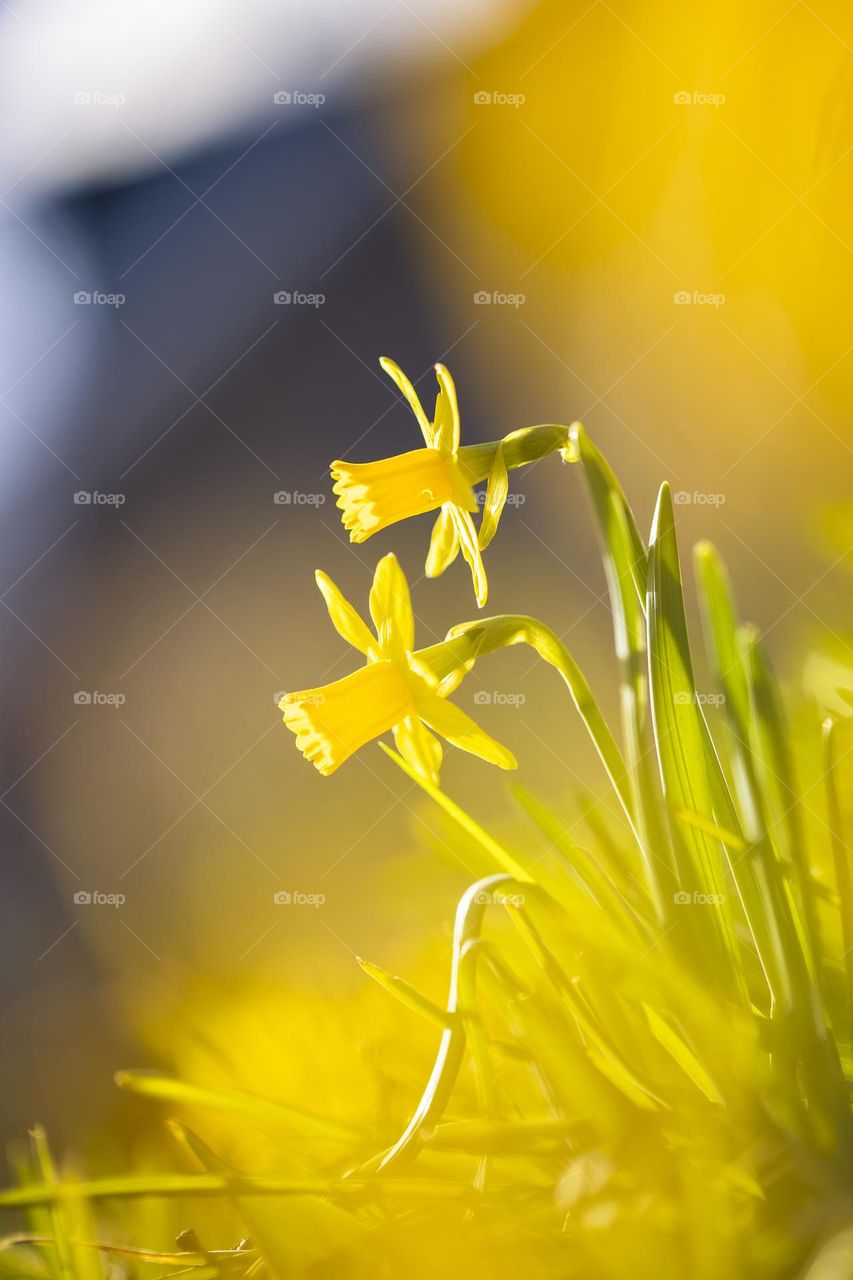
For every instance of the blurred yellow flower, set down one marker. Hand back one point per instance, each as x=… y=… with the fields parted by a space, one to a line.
x=441 y=476
x=394 y=690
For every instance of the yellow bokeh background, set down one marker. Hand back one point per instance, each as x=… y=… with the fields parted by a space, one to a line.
x=599 y=198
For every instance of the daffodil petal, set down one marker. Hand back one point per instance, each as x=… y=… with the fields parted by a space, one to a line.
x=467 y=535
x=450 y=410
x=391 y=607
x=420 y=747
x=442 y=424
x=395 y=373
x=460 y=730
x=443 y=545
x=345 y=619
x=497 y=492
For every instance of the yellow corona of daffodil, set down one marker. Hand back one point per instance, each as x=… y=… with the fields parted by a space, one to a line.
x=398 y=688
x=441 y=476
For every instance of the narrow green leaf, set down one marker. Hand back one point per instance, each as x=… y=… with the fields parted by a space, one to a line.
x=291 y=1239
x=686 y=758
x=487 y=843
x=682 y=1054
x=841 y=857
x=626 y=568
x=43 y=1160
x=264 y=1111
x=403 y=991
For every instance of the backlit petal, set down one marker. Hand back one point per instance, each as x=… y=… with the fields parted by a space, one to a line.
x=460 y=730
x=467 y=536
x=450 y=410
x=497 y=491
x=345 y=619
x=443 y=545
x=391 y=607
x=420 y=747
x=396 y=374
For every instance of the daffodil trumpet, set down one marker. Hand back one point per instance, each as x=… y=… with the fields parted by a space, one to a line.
x=441 y=477
x=395 y=689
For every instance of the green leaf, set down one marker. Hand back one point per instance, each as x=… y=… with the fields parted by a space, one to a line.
x=682 y=1054
x=689 y=769
x=608 y=499
x=263 y=1111
x=626 y=569
x=403 y=991
x=487 y=843
x=841 y=860
x=292 y=1239
x=720 y=623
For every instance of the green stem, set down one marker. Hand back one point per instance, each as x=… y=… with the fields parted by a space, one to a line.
x=520 y=448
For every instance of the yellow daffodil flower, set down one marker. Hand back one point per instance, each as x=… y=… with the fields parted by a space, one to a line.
x=396 y=689
x=441 y=476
